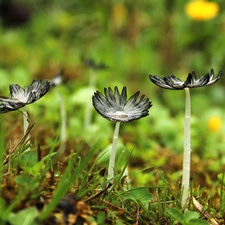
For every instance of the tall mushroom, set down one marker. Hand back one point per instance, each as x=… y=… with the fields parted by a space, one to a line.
x=173 y=83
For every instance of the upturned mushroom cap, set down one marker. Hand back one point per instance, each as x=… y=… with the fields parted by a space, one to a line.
x=115 y=106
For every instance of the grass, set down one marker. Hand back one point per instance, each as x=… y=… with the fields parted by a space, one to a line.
x=40 y=183
x=35 y=187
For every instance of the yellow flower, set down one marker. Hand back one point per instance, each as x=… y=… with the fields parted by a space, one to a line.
x=119 y=15
x=214 y=123
x=202 y=10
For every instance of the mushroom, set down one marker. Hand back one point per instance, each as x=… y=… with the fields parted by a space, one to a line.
x=20 y=97
x=173 y=83
x=115 y=107
x=94 y=67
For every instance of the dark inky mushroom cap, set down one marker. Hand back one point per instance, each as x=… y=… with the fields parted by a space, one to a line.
x=7 y=104
x=174 y=83
x=115 y=106
x=31 y=93
x=19 y=97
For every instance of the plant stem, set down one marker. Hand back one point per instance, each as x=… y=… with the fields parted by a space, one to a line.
x=63 y=120
x=25 y=127
x=88 y=111
x=113 y=152
x=187 y=150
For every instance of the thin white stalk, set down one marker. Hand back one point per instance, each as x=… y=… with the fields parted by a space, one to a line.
x=63 y=121
x=187 y=150
x=25 y=127
x=88 y=111
x=113 y=152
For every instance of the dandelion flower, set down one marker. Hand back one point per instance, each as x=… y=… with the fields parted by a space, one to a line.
x=202 y=10
x=215 y=123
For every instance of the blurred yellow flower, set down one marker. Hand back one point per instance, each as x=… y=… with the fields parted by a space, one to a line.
x=119 y=15
x=201 y=10
x=215 y=123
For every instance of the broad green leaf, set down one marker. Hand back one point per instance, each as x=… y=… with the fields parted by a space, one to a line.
x=82 y=96
x=176 y=214
x=197 y=222
x=190 y=215
x=24 y=217
x=33 y=170
x=139 y=195
x=101 y=218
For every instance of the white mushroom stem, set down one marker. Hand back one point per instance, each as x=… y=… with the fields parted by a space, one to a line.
x=113 y=152
x=25 y=127
x=187 y=150
x=88 y=111
x=63 y=134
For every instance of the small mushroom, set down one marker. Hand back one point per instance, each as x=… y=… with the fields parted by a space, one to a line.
x=115 y=107
x=20 y=97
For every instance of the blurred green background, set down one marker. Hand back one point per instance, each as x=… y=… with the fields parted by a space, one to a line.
x=40 y=39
